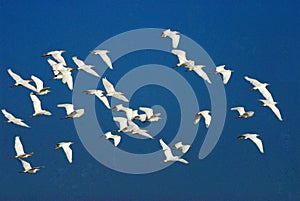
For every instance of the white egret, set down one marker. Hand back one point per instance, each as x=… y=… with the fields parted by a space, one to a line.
x=85 y=67
x=181 y=55
x=243 y=113
x=100 y=95
x=110 y=91
x=115 y=138
x=28 y=169
x=19 y=149
x=65 y=75
x=37 y=106
x=66 y=147
x=174 y=35
x=19 y=81
x=182 y=147
x=261 y=87
x=57 y=55
x=104 y=56
x=272 y=106
x=169 y=155
x=226 y=73
x=12 y=119
x=206 y=115
x=198 y=69
x=119 y=108
x=151 y=117
x=40 y=89
x=71 y=113
x=254 y=138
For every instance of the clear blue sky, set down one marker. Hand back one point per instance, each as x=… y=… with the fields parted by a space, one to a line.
x=259 y=39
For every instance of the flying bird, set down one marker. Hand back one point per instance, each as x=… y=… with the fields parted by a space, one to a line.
x=66 y=147
x=71 y=113
x=225 y=73
x=151 y=117
x=110 y=91
x=254 y=138
x=261 y=87
x=40 y=89
x=119 y=108
x=272 y=106
x=183 y=148
x=115 y=138
x=242 y=113
x=37 y=106
x=85 y=67
x=28 y=169
x=104 y=56
x=12 y=119
x=169 y=155
x=19 y=149
x=181 y=55
x=206 y=115
x=198 y=69
x=174 y=35
x=57 y=55
x=100 y=95
x=19 y=81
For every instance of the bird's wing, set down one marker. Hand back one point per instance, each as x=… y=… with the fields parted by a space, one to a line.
x=79 y=113
x=175 y=39
x=143 y=133
x=21 y=123
x=252 y=81
x=8 y=115
x=14 y=75
x=117 y=140
x=25 y=165
x=120 y=97
x=29 y=86
x=58 y=57
x=178 y=145
x=240 y=110
x=36 y=102
x=185 y=148
x=39 y=83
x=67 y=78
x=266 y=93
x=226 y=76
x=107 y=60
x=129 y=114
x=122 y=122
x=163 y=145
x=276 y=111
x=52 y=63
x=18 y=146
x=258 y=143
x=109 y=88
x=68 y=152
x=103 y=98
x=148 y=111
x=207 y=118
x=183 y=161
x=202 y=74
x=69 y=107
x=78 y=62
x=181 y=55
x=220 y=68
x=197 y=118
x=166 y=149
x=91 y=71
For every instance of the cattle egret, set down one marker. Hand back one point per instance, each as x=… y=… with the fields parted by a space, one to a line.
x=14 y=120
x=115 y=138
x=174 y=35
x=119 y=108
x=99 y=94
x=85 y=67
x=206 y=115
x=255 y=139
x=28 y=169
x=169 y=155
x=242 y=112
x=66 y=147
x=104 y=56
x=198 y=69
x=272 y=106
x=181 y=55
x=261 y=87
x=149 y=113
x=71 y=113
x=225 y=73
x=110 y=91
x=40 y=90
x=182 y=147
x=57 y=55
x=19 y=81
x=37 y=106
x=19 y=149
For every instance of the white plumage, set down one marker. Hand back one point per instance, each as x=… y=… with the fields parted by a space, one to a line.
x=37 y=106
x=104 y=56
x=100 y=95
x=272 y=106
x=110 y=91
x=12 y=119
x=169 y=155
x=115 y=138
x=57 y=55
x=67 y=149
x=19 y=149
x=198 y=69
x=206 y=115
x=261 y=87
x=254 y=138
x=19 y=81
x=242 y=112
x=174 y=35
x=28 y=169
x=225 y=73
x=182 y=147
x=85 y=67
x=40 y=89
x=71 y=112
x=149 y=113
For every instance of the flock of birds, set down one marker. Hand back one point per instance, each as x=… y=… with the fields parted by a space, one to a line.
x=125 y=123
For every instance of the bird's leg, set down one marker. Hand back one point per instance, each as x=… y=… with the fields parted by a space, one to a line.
x=12 y=86
x=63 y=118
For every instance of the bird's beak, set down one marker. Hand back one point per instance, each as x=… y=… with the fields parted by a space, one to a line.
x=252 y=89
x=56 y=147
x=63 y=51
x=231 y=70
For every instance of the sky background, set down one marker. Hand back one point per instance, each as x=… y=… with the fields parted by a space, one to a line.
x=258 y=39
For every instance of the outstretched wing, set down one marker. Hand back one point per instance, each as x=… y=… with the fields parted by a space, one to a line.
x=36 y=102
x=69 y=107
x=68 y=152
x=202 y=74
x=25 y=165
x=258 y=143
x=109 y=88
x=14 y=75
x=240 y=110
x=107 y=60
x=39 y=83
x=276 y=111
x=8 y=115
x=175 y=36
x=181 y=55
x=148 y=111
x=18 y=146
x=122 y=122
x=254 y=82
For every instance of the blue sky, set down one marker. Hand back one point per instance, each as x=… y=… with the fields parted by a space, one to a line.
x=259 y=39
